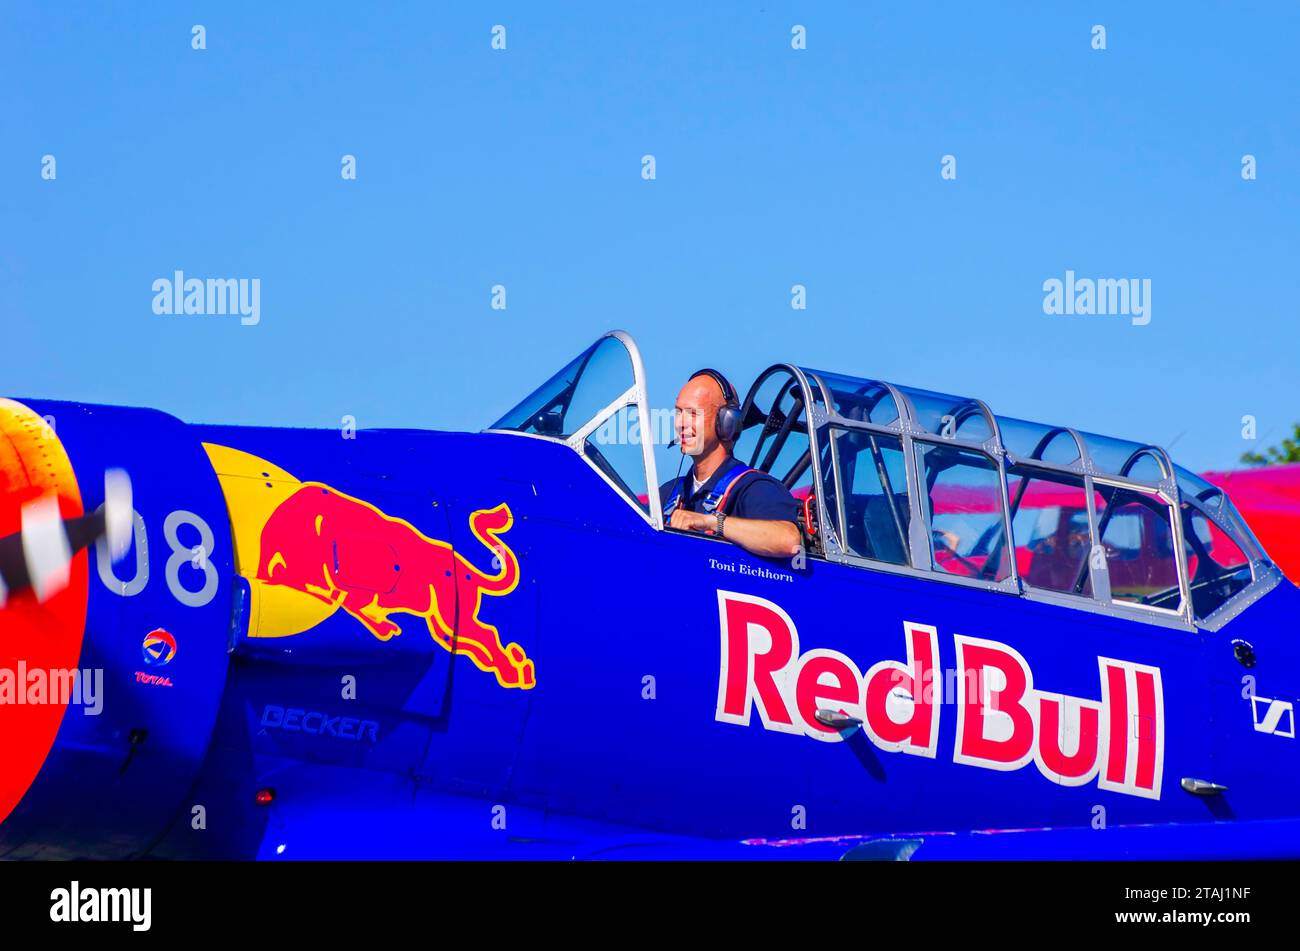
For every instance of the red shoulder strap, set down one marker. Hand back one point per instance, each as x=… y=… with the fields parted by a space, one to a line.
x=722 y=502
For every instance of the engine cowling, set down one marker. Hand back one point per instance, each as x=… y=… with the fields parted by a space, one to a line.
x=103 y=772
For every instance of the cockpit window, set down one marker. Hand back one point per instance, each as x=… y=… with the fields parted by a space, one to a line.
x=862 y=400
x=1216 y=565
x=615 y=449
x=573 y=397
x=871 y=507
x=952 y=417
x=597 y=406
x=779 y=445
x=1049 y=521
x=1193 y=486
x=1137 y=535
x=1215 y=501
x=965 y=502
x=1123 y=458
x=1039 y=442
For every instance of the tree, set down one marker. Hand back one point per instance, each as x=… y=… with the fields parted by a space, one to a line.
x=1289 y=451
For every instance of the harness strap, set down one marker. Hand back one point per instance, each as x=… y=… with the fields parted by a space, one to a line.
x=718 y=495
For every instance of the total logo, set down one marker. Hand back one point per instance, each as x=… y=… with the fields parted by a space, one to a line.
x=1003 y=721
x=159 y=648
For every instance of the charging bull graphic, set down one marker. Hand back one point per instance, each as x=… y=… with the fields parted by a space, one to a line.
x=311 y=539
x=348 y=553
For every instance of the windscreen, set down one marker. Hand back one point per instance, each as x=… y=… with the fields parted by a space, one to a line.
x=572 y=397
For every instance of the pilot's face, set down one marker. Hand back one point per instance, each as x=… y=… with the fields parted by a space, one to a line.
x=696 y=419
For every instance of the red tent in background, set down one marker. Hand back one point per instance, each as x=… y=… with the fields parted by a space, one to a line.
x=1269 y=499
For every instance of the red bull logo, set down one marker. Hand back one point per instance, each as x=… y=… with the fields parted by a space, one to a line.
x=1004 y=722
x=350 y=555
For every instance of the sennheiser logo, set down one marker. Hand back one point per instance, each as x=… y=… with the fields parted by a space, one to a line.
x=131 y=905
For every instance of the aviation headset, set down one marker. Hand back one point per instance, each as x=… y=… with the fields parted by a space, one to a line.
x=728 y=421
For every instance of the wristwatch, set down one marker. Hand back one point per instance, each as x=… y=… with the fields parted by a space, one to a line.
x=720 y=519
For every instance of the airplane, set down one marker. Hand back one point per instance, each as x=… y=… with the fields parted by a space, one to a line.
x=1002 y=639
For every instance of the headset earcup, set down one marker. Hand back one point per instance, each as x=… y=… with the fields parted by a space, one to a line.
x=728 y=423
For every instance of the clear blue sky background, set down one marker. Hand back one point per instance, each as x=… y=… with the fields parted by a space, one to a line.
x=775 y=167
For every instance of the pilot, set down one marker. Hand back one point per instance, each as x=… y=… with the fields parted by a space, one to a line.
x=719 y=495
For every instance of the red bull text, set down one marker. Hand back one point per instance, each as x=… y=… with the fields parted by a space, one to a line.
x=1003 y=721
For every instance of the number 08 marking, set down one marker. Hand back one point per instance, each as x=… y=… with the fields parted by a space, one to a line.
x=197 y=557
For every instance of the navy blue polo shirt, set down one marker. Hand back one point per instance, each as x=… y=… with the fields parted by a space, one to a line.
x=754 y=495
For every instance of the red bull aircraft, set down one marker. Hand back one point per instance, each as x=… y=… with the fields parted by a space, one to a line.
x=1002 y=639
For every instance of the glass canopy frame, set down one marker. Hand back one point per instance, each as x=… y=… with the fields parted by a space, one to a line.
x=825 y=402
x=917 y=418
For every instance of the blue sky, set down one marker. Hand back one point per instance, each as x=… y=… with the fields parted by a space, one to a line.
x=774 y=167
